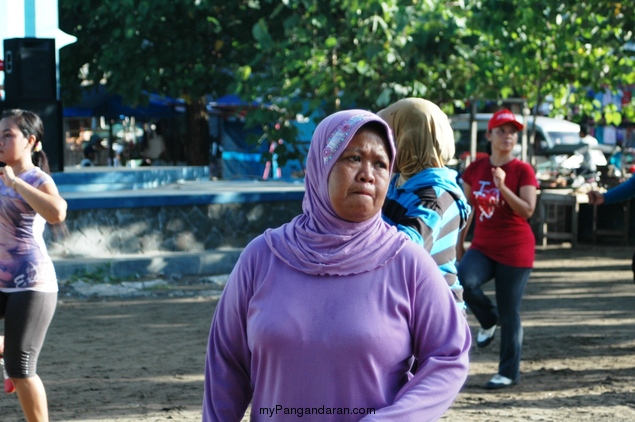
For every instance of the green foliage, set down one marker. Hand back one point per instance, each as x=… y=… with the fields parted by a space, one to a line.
x=312 y=57
x=175 y=48
x=330 y=55
x=557 y=49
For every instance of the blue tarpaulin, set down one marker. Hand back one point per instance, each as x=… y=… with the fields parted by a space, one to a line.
x=98 y=102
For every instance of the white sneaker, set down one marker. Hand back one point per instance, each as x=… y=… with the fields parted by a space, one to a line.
x=499 y=381
x=485 y=336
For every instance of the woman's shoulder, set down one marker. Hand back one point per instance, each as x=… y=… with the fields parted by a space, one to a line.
x=522 y=165
x=252 y=258
x=413 y=256
x=37 y=177
x=256 y=246
x=414 y=268
x=475 y=166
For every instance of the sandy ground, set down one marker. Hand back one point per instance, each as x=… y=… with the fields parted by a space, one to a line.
x=141 y=358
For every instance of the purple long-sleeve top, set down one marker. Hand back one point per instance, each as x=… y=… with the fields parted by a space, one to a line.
x=327 y=345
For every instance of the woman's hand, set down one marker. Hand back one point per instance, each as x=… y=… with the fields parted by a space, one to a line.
x=499 y=177
x=8 y=175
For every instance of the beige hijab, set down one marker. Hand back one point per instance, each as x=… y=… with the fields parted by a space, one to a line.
x=422 y=133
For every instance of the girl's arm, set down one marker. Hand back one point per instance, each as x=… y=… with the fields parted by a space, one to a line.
x=45 y=200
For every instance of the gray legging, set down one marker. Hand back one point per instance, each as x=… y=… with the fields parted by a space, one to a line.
x=27 y=316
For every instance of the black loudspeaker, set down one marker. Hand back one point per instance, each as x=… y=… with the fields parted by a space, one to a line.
x=52 y=115
x=30 y=70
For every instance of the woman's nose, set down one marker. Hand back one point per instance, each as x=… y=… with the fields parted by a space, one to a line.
x=366 y=172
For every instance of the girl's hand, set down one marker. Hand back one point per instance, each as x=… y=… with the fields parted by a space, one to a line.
x=7 y=174
x=499 y=177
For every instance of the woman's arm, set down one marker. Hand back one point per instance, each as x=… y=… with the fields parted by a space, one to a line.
x=441 y=340
x=227 y=387
x=45 y=200
x=523 y=204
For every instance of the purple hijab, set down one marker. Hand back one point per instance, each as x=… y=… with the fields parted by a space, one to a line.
x=319 y=242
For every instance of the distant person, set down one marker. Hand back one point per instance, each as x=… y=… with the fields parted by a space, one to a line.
x=328 y=311
x=89 y=156
x=28 y=285
x=424 y=199
x=117 y=155
x=95 y=141
x=155 y=146
x=586 y=137
x=629 y=139
x=620 y=193
x=502 y=191
x=591 y=157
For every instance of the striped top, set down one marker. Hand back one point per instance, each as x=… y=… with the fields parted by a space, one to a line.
x=431 y=209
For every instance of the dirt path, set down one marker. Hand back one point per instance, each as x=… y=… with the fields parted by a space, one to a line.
x=579 y=345
x=141 y=359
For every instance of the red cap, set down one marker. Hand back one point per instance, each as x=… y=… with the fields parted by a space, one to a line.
x=501 y=117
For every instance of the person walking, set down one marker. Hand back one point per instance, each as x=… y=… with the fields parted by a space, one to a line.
x=424 y=199
x=502 y=190
x=322 y=317
x=28 y=286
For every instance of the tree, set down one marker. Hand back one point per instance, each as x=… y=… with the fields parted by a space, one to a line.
x=174 y=48
x=537 y=48
x=315 y=57
x=329 y=54
x=312 y=57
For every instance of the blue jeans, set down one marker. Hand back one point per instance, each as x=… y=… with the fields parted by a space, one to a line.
x=475 y=269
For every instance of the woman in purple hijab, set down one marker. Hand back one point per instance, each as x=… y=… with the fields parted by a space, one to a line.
x=322 y=317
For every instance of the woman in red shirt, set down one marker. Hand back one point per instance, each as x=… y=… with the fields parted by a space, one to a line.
x=502 y=191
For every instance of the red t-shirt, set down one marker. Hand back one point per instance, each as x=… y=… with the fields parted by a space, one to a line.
x=499 y=232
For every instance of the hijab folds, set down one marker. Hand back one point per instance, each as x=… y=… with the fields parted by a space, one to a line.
x=423 y=136
x=318 y=241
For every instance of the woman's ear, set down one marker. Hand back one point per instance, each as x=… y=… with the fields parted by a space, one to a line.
x=31 y=140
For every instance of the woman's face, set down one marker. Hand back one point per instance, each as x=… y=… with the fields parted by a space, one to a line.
x=359 y=179
x=13 y=144
x=503 y=138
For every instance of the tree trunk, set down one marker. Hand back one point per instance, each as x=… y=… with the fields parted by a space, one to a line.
x=197 y=142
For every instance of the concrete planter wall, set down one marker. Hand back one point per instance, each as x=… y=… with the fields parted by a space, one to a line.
x=168 y=220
